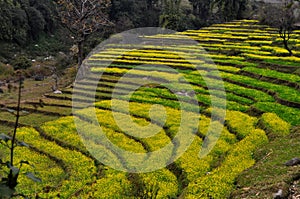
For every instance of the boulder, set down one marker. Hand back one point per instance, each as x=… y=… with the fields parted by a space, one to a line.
x=293 y=162
x=39 y=78
x=57 y=92
x=278 y=195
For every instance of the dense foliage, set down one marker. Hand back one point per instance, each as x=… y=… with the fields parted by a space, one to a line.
x=23 y=20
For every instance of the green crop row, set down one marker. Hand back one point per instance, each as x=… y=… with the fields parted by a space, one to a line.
x=283 y=92
x=80 y=168
x=274 y=125
x=237 y=29
x=281 y=62
x=64 y=129
x=259 y=42
x=113 y=184
x=46 y=169
x=221 y=56
x=235 y=62
x=169 y=99
x=239 y=123
x=145 y=53
x=276 y=50
x=184 y=63
x=111 y=129
x=265 y=58
x=220 y=182
x=289 y=114
x=177 y=49
x=233 y=46
x=203 y=95
x=168 y=36
x=165 y=180
x=274 y=74
x=101 y=91
x=173 y=116
x=260 y=37
x=193 y=166
x=221 y=36
x=294 y=41
x=248 y=92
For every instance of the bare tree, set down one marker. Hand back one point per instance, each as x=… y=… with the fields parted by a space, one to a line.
x=83 y=18
x=286 y=24
x=281 y=16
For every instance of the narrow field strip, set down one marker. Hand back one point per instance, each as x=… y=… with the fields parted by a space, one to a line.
x=50 y=170
x=284 y=93
x=33 y=119
x=45 y=110
x=289 y=79
x=220 y=182
x=80 y=168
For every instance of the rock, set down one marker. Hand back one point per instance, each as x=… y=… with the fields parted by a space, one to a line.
x=57 y=92
x=246 y=188
x=293 y=162
x=1 y=90
x=62 y=54
x=185 y=93
x=278 y=195
x=39 y=78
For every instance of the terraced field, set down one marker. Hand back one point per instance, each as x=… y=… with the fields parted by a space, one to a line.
x=262 y=103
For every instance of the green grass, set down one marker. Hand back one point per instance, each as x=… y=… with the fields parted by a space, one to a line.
x=33 y=119
x=46 y=110
x=5 y=129
x=269 y=173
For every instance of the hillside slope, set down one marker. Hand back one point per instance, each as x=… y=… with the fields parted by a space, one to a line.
x=262 y=101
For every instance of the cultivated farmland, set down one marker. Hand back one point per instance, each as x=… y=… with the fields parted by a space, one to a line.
x=262 y=87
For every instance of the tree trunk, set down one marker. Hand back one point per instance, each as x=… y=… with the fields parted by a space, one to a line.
x=80 y=52
x=81 y=71
x=285 y=35
x=286 y=46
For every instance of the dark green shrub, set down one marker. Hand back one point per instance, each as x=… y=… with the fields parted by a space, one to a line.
x=21 y=62
x=5 y=71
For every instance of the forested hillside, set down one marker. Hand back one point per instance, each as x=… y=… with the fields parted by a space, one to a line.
x=25 y=23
